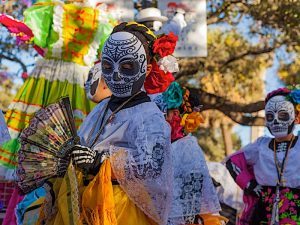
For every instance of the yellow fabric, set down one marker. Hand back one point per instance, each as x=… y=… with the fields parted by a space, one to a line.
x=66 y=200
x=98 y=200
x=107 y=204
x=80 y=25
x=209 y=219
x=127 y=211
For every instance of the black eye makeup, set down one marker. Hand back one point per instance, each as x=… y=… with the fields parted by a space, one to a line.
x=269 y=116
x=129 y=68
x=283 y=115
x=107 y=66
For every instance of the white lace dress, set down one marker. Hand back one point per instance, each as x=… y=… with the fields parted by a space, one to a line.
x=138 y=141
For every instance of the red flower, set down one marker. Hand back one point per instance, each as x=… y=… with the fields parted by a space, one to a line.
x=165 y=45
x=174 y=120
x=157 y=81
x=25 y=75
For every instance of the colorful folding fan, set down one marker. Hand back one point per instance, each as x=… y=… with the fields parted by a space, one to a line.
x=45 y=145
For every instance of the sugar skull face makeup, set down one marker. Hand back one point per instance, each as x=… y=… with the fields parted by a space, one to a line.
x=280 y=116
x=124 y=64
x=93 y=81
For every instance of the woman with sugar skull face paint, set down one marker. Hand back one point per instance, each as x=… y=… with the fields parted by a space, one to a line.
x=192 y=185
x=267 y=170
x=125 y=140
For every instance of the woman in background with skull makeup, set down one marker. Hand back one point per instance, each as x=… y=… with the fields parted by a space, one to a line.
x=125 y=140
x=95 y=86
x=268 y=169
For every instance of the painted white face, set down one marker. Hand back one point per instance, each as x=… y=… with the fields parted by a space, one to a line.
x=93 y=80
x=280 y=116
x=124 y=64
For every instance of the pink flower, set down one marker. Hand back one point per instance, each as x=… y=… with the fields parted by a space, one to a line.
x=293 y=211
x=287 y=221
x=296 y=196
x=286 y=190
x=285 y=206
x=174 y=119
x=269 y=190
x=292 y=204
x=266 y=199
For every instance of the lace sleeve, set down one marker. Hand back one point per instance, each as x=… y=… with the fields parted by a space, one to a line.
x=144 y=168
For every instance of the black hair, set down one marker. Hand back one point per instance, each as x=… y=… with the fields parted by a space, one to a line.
x=143 y=33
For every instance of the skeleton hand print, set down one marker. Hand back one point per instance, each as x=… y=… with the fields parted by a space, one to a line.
x=83 y=155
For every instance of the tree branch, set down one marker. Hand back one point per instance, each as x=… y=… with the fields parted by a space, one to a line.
x=211 y=101
x=247 y=53
x=14 y=59
x=189 y=66
x=214 y=17
x=246 y=119
x=243 y=114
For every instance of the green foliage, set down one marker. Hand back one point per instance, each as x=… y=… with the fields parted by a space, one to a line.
x=290 y=72
x=241 y=79
x=280 y=20
x=233 y=77
x=244 y=38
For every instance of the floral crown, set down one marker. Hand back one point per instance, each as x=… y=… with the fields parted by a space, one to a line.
x=294 y=96
x=189 y=117
x=163 y=64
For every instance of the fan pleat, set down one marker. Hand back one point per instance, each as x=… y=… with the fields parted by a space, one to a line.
x=45 y=144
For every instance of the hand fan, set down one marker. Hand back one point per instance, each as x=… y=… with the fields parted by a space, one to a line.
x=45 y=145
